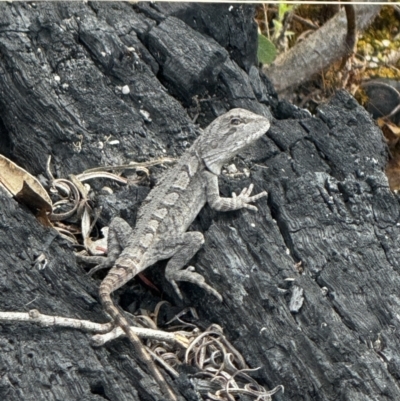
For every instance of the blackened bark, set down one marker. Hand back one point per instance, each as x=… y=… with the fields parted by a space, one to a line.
x=62 y=70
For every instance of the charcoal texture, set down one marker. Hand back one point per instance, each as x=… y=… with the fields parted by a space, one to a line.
x=310 y=282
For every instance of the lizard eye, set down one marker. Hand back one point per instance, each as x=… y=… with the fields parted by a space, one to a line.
x=214 y=144
x=236 y=121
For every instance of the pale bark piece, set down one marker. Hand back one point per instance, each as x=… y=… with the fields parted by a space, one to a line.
x=318 y=51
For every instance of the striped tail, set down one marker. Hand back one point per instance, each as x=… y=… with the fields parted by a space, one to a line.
x=113 y=281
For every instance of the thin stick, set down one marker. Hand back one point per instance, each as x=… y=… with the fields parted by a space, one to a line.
x=102 y=329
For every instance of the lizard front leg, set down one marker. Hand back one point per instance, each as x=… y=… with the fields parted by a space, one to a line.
x=187 y=246
x=240 y=201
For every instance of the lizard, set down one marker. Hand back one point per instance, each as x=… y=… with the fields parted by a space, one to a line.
x=167 y=212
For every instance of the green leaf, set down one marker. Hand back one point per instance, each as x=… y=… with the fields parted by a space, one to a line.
x=282 y=9
x=266 y=51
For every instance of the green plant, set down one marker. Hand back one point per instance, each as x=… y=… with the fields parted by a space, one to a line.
x=267 y=48
x=266 y=51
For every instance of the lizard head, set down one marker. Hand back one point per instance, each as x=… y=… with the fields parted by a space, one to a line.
x=229 y=134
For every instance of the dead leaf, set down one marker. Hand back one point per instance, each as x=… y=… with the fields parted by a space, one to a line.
x=393 y=173
x=23 y=186
x=390 y=131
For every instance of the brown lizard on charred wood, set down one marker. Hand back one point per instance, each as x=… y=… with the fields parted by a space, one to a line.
x=170 y=208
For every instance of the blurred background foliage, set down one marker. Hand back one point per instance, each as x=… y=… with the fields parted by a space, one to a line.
x=371 y=73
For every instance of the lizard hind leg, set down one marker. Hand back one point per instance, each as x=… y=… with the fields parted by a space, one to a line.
x=187 y=247
x=118 y=233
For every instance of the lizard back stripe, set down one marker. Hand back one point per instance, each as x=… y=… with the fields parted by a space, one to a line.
x=182 y=181
x=135 y=259
x=146 y=240
x=159 y=214
x=152 y=226
x=170 y=199
x=142 y=248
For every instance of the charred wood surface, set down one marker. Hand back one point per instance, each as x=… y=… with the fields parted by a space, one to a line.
x=310 y=282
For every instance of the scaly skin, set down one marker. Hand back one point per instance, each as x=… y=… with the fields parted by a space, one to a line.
x=168 y=211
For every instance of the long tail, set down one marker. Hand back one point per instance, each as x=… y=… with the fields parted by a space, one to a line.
x=109 y=284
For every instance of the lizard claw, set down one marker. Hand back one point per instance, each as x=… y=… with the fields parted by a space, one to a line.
x=176 y=288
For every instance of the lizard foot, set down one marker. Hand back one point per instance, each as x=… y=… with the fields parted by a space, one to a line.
x=244 y=197
x=98 y=267
x=101 y=261
x=191 y=276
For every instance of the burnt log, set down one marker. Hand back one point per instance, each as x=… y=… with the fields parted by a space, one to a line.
x=310 y=281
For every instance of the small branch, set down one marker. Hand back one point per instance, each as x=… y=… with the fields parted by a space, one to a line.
x=351 y=35
x=180 y=338
x=34 y=316
x=305 y=22
x=323 y=47
x=105 y=331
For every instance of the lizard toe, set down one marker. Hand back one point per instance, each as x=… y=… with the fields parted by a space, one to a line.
x=96 y=269
x=176 y=288
x=195 y=278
